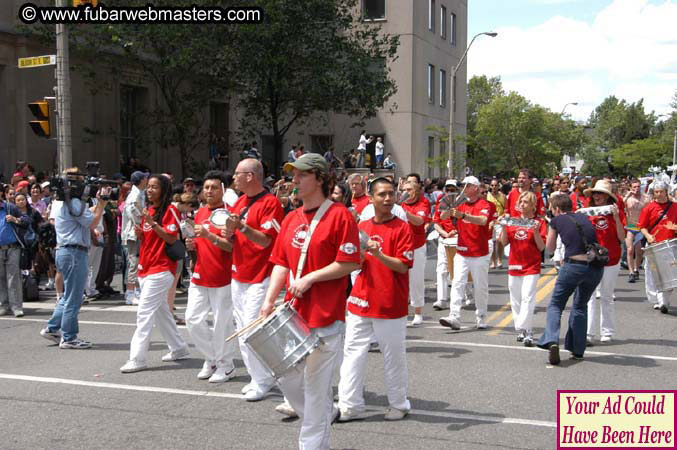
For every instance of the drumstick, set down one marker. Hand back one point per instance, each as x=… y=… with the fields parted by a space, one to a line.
x=245 y=329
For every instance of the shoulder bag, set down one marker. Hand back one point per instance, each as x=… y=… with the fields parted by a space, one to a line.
x=598 y=256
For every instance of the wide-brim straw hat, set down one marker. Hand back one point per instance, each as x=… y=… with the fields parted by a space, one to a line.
x=602 y=186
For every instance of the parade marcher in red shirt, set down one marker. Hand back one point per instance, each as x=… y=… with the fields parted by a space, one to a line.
x=358 y=186
x=578 y=198
x=472 y=254
x=448 y=238
x=655 y=230
x=523 y=185
x=378 y=306
x=159 y=226
x=254 y=226
x=210 y=287
x=524 y=268
x=610 y=233
x=418 y=211
x=319 y=292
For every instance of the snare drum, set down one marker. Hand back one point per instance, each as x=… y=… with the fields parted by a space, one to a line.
x=282 y=341
x=219 y=216
x=662 y=262
x=450 y=251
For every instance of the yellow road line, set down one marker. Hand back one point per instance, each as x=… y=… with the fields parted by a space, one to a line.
x=541 y=295
x=506 y=307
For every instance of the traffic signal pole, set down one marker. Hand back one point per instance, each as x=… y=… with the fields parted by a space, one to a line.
x=63 y=96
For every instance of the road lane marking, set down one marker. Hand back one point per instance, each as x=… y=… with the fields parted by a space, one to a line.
x=542 y=293
x=161 y=390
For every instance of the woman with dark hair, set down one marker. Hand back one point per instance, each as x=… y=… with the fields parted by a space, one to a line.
x=35 y=218
x=35 y=199
x=159 y=227
x=341 y=194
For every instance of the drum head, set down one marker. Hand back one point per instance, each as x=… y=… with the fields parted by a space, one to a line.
x=219 y=217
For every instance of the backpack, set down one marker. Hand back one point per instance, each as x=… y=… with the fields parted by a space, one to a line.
x=47 y=235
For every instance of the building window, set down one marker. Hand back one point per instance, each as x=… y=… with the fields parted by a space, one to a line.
x=443 y=88
x=443 y=21
x=321 y=143
x=452 y=32
x=431 y=83
x=431 y=156
x=374 y=9
x=131 y=99
x=431 y=15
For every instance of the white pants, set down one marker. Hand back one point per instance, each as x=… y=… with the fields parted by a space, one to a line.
x=212 y=343
x=391 y=335
x=652 y=294
x=523 y=299
x=153 y=306
x=247 y=301
x=93 y=263
x=307 y=387
x=479 y=268
x=442 y=270
x=417 y=278
x=608 y=311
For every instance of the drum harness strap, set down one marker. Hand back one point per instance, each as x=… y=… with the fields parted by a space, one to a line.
x=306 y=243
x=640 y=237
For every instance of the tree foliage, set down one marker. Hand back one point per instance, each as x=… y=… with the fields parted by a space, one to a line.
x=310 y=57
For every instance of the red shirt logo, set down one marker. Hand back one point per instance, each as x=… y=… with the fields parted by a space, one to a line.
x=300 y=235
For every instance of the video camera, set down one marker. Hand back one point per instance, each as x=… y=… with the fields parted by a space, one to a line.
x=83 y=186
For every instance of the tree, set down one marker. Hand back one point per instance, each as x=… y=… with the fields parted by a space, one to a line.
x=481 y=91
x=309 y=57
x=512 y=133
x=636 y=157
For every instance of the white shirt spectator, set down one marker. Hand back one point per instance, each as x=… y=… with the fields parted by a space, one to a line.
x=379 y=148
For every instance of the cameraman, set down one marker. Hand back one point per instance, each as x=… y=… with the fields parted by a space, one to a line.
x=74 y=224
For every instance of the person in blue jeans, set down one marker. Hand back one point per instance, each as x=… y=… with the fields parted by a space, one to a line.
x=73 y=225
x=575 y=277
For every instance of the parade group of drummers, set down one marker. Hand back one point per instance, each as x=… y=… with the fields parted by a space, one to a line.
x=244 y=265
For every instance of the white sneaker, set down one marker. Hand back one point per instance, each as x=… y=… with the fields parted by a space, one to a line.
x=176 y=355
x=439 y=305
x=481 y=324
x=49 y=285
x=129 y=298
x=417 y=321
x=451 y=322
x=286 y=409
x=257 y=393
x=222 y=373
x=396 y=414
x=208 y=369
x=348 y=415
x=132 y=366
x=605 y=339
x=247 y=387
x=135 y=300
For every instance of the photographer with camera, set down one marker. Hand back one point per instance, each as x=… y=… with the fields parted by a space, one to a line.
x=11 y=295
x=74 y=223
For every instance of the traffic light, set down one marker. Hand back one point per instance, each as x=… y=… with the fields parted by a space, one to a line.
x=77 y=3
x=40 y=110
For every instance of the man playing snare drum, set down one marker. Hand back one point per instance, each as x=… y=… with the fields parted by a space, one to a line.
x=319 y=292
x=378 y=306
x=658 y=222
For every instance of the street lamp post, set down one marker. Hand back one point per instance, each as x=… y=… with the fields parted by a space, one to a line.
x=565 y=107
x=450 y=165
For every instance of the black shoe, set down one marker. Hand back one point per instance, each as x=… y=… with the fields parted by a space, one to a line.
x=553 y=354
x=576 y=357
x=664 y=309
x=522 y=334
x=632 y=278
x=624 y=265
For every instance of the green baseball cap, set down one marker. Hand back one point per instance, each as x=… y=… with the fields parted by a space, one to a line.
x=308 y=161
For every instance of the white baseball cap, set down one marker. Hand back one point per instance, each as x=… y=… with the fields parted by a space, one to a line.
x=471 y=180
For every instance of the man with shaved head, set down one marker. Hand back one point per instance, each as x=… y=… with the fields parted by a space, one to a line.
x=254 y=226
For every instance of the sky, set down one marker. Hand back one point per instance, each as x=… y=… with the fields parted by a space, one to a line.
x=555 y=52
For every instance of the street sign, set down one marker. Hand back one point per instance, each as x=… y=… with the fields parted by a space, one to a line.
x=37 y=61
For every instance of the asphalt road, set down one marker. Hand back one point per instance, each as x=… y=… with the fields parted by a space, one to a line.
x=469 y=389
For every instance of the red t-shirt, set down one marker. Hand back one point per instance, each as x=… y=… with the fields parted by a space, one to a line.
x=473 y=240
x=335 y=239
x=446 y=224
x=525 y=257
x=650 y=215
x=605 y=228
x=380 y=292
x=514 y=209
x=420 y=208
x=251 y=262
x=213 y=265
x=579 y=201
x=359 y=203
x=152 y=255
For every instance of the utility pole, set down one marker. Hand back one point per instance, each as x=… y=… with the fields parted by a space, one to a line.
x=63 y=96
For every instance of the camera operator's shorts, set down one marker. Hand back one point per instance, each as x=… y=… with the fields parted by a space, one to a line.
x=132 y=261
